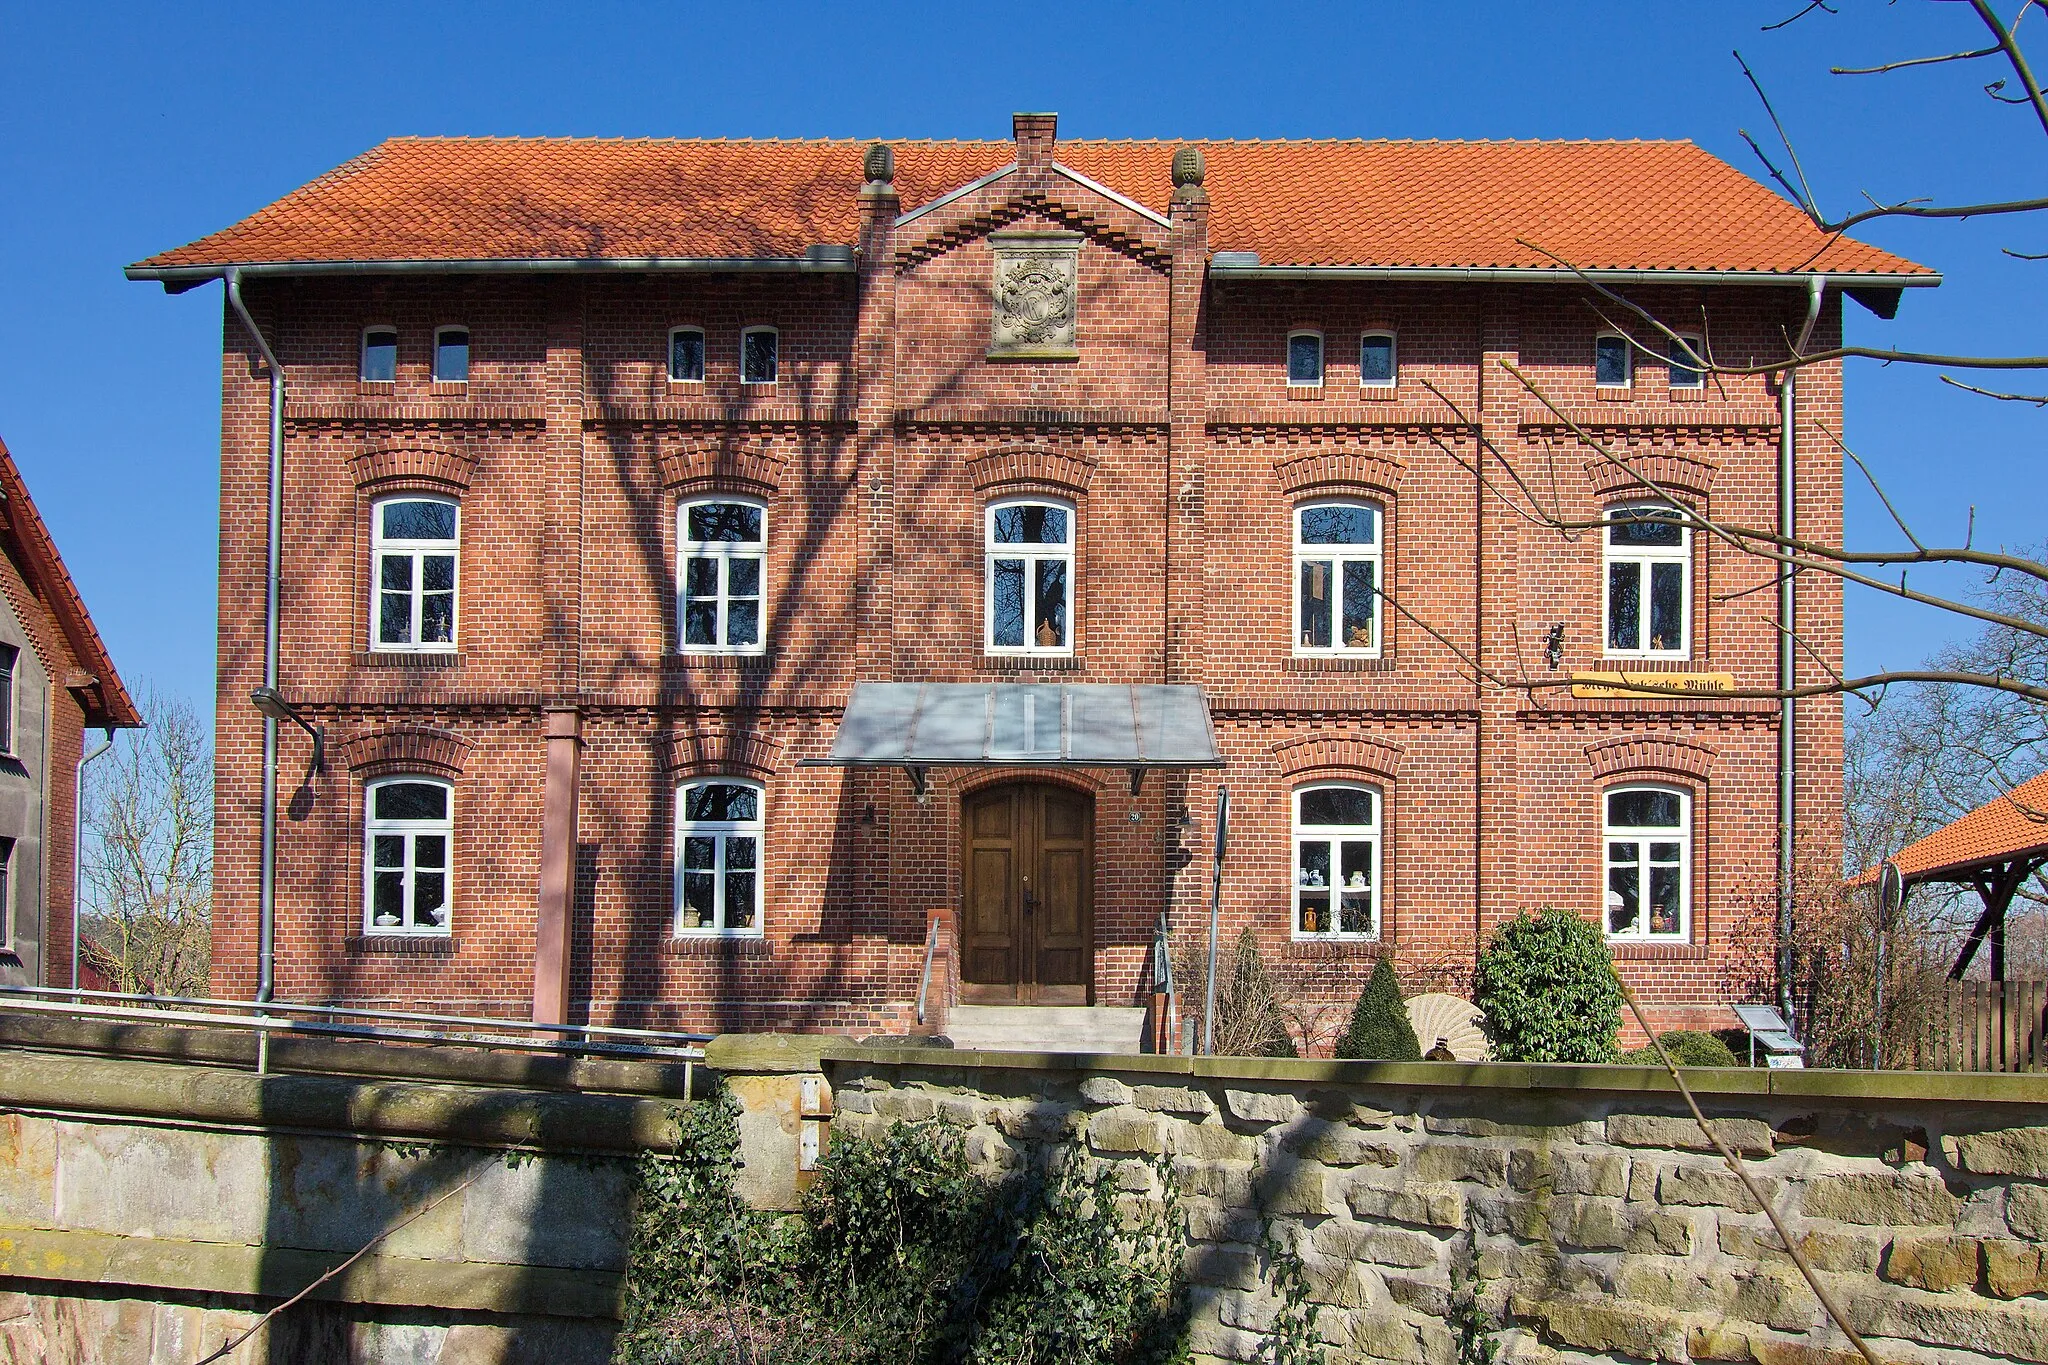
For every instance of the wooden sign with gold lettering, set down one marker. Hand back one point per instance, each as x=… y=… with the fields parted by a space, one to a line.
x=1599 y=686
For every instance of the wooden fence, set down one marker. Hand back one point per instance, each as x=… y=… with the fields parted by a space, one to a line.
x=1984 y=1026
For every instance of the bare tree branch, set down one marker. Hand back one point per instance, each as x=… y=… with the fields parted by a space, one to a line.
x=2038 y=400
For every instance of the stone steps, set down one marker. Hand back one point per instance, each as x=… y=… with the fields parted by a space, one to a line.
x=1046 y=1028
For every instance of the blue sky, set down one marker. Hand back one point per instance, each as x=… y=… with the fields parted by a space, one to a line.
x=125 y=130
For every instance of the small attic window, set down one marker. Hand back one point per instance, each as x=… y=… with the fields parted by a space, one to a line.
x=380 y=355
x=1611 y=361
x=451 y=355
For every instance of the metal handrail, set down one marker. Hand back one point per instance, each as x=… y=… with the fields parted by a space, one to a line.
x=332 y=1021
x=931 y=946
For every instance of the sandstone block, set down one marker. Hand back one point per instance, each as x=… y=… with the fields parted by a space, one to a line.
x=1261 y=1106
x=1254 y=1311
x=1936 y=1263
x=1747 y=1136
x=1845 y=1253
x=1230 y=1181
x=1106 y=1090
x=1607 y=1325
x=2015 y=1269
x=987 y=1147
x=853 y=1102
x=1742 y=1342
x=28 y=1170
x=1573 y=1170
x=1424 y=1291
x=1962 y=1322
x=2026 y=1211
x=2003 y=1151
x=1124 y=1130
x=1776 y=1297
x=162 y=1182
x=1887 y=1198
x=1382 y=1336
x=1666 y=1283
x=1175 y=1099
x=1604 y=1224
x=1294 y=1187
x=1338 y=1144
x=1377 y=1244
x=1224 y=1343
x=1223 y=1265
x=1212 y=1142
x=1706 y=1187
x=1443 y=1161
x=1039 y=1121
x=1210 y=1220
x=959 y=1112
x=1464 y=1125
x=1424 y=1205
x=913 y=1106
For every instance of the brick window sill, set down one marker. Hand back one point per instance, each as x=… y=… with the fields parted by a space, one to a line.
x=1339 y=664
x=402 y=945
x=1613 y=395
x=717 y=945
x=380 y=658
x=1304 y=393
x=1659 y=952
x=1352 y=950
x=376 y=388
x=719 y=662
x=1031 y=663
x=449 y=388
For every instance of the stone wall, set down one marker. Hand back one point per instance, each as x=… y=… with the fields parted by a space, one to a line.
x=151 y=1209
x=1588 y=1210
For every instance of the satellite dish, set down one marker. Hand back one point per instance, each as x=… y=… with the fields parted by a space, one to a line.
x=1446 y=1019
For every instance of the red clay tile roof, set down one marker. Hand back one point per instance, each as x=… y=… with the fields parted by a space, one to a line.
x=2001 y=828
x=108 y=705
x=1600 y=205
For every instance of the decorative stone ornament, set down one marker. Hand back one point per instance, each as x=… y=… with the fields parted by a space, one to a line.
x=879 y=164
x=1188 y=167
x=1035 y=290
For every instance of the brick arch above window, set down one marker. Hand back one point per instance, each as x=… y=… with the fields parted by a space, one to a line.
x=714 y=465
x=719 y=752
x=1338 y=471
x=964 y=782
x=405 y=749
x=1667 y=469
x=1643 y=754
x=1032 y=465
x=1333 y=753
x=441 y=468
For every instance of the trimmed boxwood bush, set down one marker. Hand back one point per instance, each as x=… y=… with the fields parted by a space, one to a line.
x=1547 y=987
x=1380 y=1030
x=1688 y=1049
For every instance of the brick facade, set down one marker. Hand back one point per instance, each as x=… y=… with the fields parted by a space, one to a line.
x=1178 y=441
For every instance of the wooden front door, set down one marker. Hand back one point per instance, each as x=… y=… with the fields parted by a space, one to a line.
x=1027 y=931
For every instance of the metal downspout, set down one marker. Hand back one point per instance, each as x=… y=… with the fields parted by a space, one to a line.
x=266 y=951
x=78 y=847
x=1788 y=596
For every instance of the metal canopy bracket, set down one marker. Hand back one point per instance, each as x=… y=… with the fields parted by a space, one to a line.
x=919 y=776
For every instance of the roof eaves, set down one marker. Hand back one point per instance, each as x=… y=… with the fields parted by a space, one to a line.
x=118 y=710
x=821 y=259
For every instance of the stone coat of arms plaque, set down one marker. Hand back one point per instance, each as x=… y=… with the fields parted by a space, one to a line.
x=1037 y=275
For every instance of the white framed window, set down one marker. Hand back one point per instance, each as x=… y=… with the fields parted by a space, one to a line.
x=1686 y=355
x=1649 y=583
x=1336 y=861
x=378 y=363
x=1378 y=365
x=1648 y=833
x=1337 y=579
x=1028 y=586
x=721 y=564
x=10 y=667
x=760 y=355
x=719 y=835
x=414 y=545
x=1305 y=359
x=1613 y=363
x=408 y=825
x=686 y=355
x=451 y=355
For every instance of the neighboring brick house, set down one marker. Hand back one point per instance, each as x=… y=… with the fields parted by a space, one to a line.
x=611 y=467
x=56 y=682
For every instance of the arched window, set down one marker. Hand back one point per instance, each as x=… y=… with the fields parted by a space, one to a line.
x=414 y=544
x=1337 y=578
x=1648 y=832
x=1649 y=582
x=1688 y=354
x=451 y=355
x=1613 y=361
x=760 y=355
x=718 y=857
x=1029 y=578
x=1305 y=359
x=379 y=363
x=1377 y=364
x=686 y=355
x=721 y=554
x=1336 y=862
x=407 y=827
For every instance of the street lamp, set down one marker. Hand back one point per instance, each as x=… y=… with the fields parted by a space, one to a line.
x=272 y=704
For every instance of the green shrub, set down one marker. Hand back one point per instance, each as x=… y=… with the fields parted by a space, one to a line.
x=1547 y=987
x=1687 y=1049
x=1380 y=1030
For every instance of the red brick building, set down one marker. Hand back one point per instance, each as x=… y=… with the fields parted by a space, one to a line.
x=56 y=682
x=611 y=468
